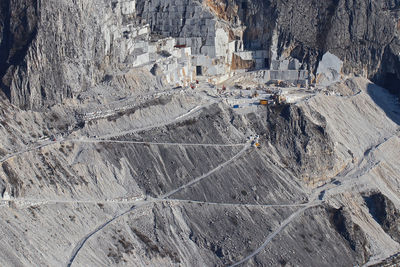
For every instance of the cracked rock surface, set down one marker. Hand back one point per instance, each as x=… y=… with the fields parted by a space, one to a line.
x=102 y=163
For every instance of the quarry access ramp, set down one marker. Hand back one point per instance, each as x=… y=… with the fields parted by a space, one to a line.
x=109 y=136
x=154 y=143
x=162 y=197
x=269 y=239
x=348 y=178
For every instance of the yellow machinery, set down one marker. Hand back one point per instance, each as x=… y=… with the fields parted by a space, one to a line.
x=264 y=102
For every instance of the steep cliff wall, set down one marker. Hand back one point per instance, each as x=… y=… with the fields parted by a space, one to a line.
x=18 y=28
x=364 y=34
x=53 y=50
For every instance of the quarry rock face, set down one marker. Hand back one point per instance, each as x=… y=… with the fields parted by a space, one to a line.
x=199 y=133
x=65 y=60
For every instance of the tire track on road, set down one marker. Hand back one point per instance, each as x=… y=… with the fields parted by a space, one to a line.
x=283 y=225
x=82 y=242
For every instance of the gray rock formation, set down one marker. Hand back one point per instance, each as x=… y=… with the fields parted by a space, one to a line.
x=111 y=153
x=364 y=34
x=54 y=50
x=385 y=213
x=49 y=55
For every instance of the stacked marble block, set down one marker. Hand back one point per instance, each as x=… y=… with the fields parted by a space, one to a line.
x=137 y=44
x=177 y=69
x=215 y=59
x=193 y=26
x=287 y=70
x=174 y=63
x=260 y=58
x=126 y=39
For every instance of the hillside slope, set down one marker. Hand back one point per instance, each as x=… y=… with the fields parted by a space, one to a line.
x=117 y=149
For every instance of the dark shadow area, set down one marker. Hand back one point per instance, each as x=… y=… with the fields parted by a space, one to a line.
x=19 y=31
x=392 y=83
x=376 y=206
x=388 y=75
x=388 y=102
x=5 y=44
x=384 y=213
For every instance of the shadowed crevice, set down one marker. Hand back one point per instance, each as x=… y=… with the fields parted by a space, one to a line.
x=20 y=21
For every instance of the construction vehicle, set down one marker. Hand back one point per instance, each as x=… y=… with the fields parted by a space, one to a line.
x=264 y=102
x=255 y=143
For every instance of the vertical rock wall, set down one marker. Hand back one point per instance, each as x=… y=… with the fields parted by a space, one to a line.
x=18 y=28
x=361 y=33
x=52 y=50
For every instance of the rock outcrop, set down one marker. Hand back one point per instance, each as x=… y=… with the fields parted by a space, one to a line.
x=351 y=232
x=52 y=51
x=385 y=213
x=364 y=34
x=114 y=151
